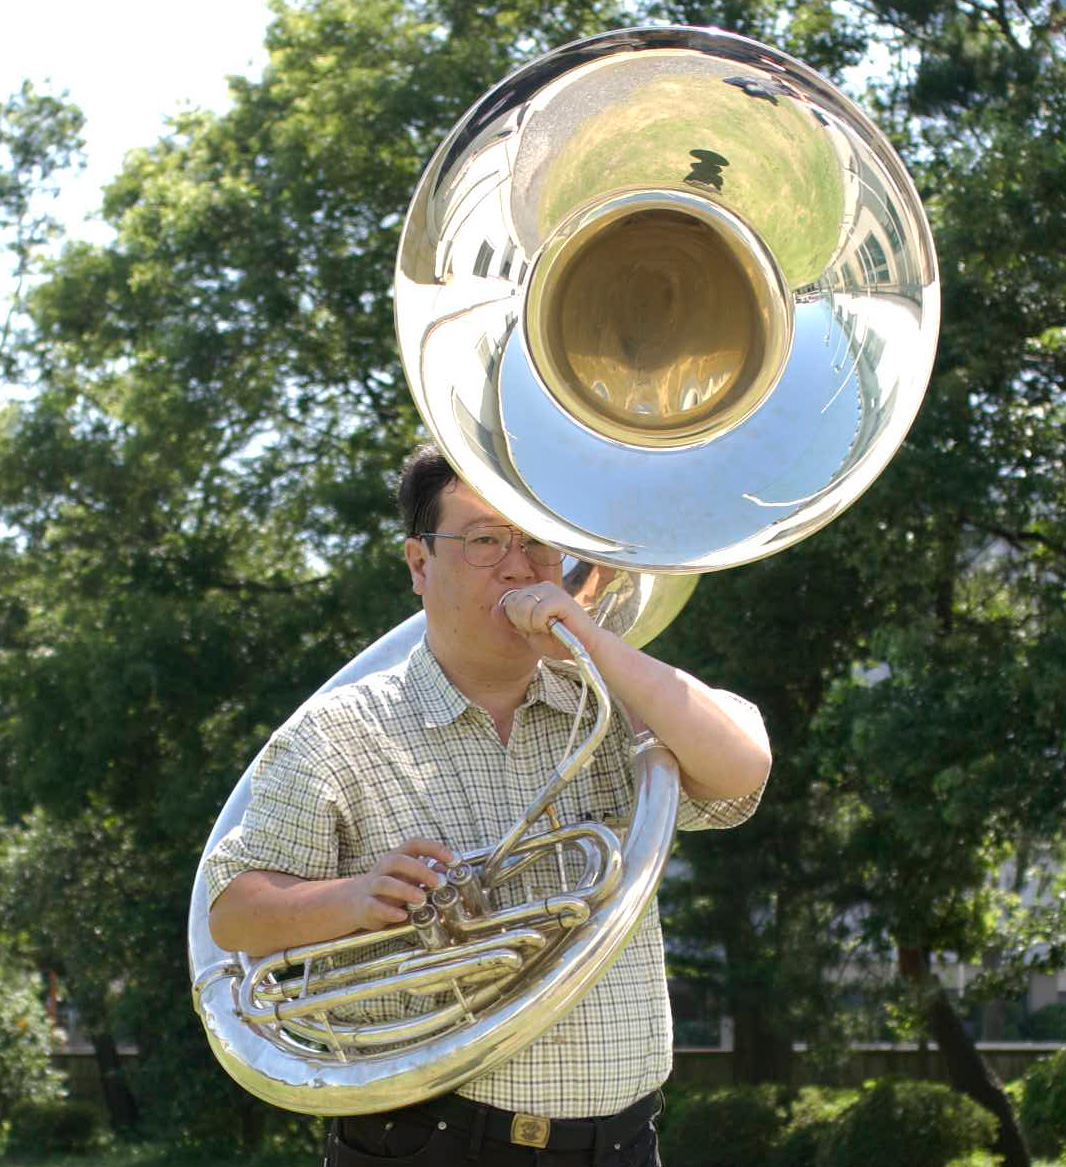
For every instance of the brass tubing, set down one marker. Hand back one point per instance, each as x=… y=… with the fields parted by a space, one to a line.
x=400 y=983
x=570 y=767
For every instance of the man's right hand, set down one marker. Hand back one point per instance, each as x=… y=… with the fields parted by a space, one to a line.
x=398 y=881
x=261 y=912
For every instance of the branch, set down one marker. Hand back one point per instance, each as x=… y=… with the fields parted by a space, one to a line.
x=1017 y=539
x=1003 y=21
x=261 y=588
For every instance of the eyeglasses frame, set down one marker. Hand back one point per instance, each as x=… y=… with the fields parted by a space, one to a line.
x=523 y=541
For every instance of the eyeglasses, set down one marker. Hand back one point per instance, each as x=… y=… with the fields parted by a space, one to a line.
x=488 y=545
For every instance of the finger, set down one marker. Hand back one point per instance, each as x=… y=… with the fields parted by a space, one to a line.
x=550 y=611
x=396 y=891
x=378 y=913
x=407 y=869
x=508 y=604
x=519 y=606
x=429 y=848
x=542 y=614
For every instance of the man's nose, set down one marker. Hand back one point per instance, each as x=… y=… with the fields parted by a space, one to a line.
x=516 y=561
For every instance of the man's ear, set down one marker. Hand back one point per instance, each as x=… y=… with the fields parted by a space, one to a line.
x=415 y=552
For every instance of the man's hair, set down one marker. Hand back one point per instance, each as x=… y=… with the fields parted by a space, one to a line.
x=425 y=475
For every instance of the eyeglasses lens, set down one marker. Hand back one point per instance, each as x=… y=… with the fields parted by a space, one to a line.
x=487 y=546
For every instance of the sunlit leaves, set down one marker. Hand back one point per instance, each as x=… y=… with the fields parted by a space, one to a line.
x=39 y=139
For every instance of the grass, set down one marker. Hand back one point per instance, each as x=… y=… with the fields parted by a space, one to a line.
x=162 y=1155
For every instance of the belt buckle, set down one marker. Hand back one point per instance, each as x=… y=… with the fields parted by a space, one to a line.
x=530 y=1130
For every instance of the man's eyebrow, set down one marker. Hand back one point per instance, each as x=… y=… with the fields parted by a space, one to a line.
x=483 y=522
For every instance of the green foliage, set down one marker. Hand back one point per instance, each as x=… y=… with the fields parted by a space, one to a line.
x=722 y=1128
x=922 y=1124
x=161 y=1153
x=813 y=1114
x=1047 y=1024
x=931 y=792
x=39 y=139
x=73 y=892
x=26 y=1073
x=746 y=1123
x=888 y=1122
x=1043 y=1105
x=977 y=1159
x=55 y=1128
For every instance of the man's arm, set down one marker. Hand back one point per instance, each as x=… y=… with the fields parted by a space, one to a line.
x=721 y=754
x=260 y=912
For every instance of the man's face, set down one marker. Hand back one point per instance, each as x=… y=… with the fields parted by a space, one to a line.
x=459 y=598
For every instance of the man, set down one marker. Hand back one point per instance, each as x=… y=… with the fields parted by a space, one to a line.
x=362 y=793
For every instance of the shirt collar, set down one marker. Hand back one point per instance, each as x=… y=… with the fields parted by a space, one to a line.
x=440 y=702
x=556 y=684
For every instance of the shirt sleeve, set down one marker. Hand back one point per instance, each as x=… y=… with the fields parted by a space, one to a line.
x=290 y=822
x=701 y=814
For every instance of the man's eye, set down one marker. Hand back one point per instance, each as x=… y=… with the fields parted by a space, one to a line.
x=483 y=540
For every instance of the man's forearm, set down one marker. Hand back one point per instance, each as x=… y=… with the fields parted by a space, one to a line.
x=721 y=752
x=265 y=911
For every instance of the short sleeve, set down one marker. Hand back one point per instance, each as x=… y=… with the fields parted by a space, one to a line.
x=701 y=814
x=290 y=823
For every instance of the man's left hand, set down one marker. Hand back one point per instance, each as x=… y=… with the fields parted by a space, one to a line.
x=532 y=611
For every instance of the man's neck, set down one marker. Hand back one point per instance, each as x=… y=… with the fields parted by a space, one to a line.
x=498 y=685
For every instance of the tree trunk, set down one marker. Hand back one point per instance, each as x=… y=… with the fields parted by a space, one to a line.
x=968 y=1071
x=993 y=1012
x=759 y=1054
x=121 y=1105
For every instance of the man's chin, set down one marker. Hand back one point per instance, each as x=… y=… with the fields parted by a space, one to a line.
x=510 y=641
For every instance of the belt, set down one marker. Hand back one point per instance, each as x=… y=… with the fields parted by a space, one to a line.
x=530 y=1130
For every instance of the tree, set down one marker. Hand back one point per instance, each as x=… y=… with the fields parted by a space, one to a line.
x=197 y=495
x=933 y=802
x=26 y=1071
x=39 y=138
x=72 y=894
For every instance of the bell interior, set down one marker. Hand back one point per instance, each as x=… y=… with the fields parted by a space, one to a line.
x=651 y=327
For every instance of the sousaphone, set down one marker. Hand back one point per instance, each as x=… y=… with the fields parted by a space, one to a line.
x=667 y=300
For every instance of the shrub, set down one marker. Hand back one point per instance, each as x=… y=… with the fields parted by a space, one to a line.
x=26 y=1071
x=813 y=1114
x=922 y=1124
x=723 y=1128
x=54 y=1127
x=1043 y=1105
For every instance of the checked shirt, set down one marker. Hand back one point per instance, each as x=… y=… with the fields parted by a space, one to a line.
x=360 y=769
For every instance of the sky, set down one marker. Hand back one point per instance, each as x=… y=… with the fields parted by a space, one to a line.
x=128 y=64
